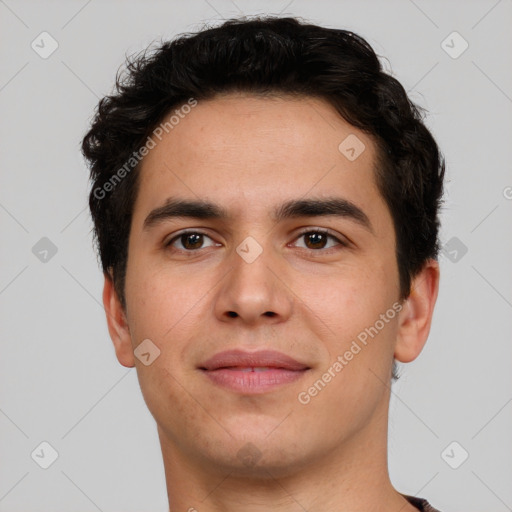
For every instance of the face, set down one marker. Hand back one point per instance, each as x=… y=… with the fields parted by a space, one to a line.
x=295 y=253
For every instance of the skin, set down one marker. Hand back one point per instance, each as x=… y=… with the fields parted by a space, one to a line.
x=250 y=154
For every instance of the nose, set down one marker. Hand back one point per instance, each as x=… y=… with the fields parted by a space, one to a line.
x=254 y=292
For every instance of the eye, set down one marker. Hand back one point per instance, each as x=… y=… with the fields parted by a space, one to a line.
x=190 y=241
x=316 y=239
x=319 y=239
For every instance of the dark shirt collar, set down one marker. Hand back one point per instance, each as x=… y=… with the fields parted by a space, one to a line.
x=420 y=503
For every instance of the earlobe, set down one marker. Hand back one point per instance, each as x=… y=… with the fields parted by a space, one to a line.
x=117 y=324
x=416 y=316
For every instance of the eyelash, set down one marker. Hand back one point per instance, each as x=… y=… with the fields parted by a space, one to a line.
x=301 y=234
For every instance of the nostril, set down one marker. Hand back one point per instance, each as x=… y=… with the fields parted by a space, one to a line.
x=232 y=314
x=270 y=313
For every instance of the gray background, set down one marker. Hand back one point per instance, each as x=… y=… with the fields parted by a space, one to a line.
x=60 y=380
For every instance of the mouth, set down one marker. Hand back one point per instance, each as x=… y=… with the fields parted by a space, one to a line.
x=252 y=372
x=249 y=368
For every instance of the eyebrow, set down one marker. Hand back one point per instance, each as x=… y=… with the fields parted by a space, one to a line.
x=200 y=209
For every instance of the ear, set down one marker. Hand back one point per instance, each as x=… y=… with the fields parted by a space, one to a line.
x=416 y=316
x=117 y=324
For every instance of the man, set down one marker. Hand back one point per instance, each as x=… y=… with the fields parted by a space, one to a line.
x=265 y=201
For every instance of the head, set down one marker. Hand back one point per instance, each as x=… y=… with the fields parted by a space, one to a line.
x=247 y=117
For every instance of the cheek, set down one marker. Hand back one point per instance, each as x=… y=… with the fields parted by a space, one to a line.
x=164 y=310
x=158 y=300
x=162 y=315
x=172 y=310
x=351 y=298
x=352 y=317
x=354 y=320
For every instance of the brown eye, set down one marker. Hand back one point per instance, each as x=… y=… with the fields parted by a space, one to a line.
x=315 y=240
x=190 y=241
x=318 y=239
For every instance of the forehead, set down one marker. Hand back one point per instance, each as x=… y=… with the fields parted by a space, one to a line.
x=253 y=152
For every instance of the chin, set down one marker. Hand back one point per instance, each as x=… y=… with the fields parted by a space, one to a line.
x=257 y=462
x=256 y=454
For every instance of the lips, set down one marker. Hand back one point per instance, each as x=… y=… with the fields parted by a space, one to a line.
x=253 y=373
x=262 y=360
